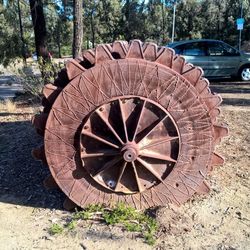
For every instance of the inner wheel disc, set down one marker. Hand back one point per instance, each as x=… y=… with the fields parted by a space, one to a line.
x=129 y=144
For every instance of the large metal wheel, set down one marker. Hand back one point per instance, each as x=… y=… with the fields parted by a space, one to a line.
x=131 y=123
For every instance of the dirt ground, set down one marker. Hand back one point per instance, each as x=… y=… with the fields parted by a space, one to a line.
x=220 y=220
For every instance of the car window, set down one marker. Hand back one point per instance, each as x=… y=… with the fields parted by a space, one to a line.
x=221 y=49
x=191 y=49
x=178 y=49
x=230 y=50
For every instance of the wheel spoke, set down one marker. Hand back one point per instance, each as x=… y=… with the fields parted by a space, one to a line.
x=153 y=127
x=108 y=165
x=149 y=168
x=98 y=154
x=99 y=139
x=157 y=156
x=136 y=177
x=120 y=175
x=123 y=120
x=106 y=121
x=157 y=142
x=139 y=119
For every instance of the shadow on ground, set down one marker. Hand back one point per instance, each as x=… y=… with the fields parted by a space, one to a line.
x=233 y=89
x=20 y=175
x=238 y=89
x=236 y=101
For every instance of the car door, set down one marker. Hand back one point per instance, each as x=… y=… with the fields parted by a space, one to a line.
x=223 y=60
x=195 y=53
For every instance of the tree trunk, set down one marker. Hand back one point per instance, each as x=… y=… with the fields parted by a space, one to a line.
x=59 y=49
x=36 y=7
x=88 y=43
x=21 y=32
x=163 y=22
x=78 y=28
x=58 y=38
x=92 y=30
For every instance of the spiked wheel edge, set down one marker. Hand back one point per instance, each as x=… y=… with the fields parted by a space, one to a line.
x=179 y=73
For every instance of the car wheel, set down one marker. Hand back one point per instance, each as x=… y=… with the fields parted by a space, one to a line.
x=245 y=73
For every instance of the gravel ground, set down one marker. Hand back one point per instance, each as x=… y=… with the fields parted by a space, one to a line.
x=7 y=88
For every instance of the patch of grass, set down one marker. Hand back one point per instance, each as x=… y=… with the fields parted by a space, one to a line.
x=133 y=227
x=82 y=215
x=149 y=238
x=127 y=217
x=55 y=229
x=151 y=230
x=71 y=225
x=121 y=213
x=133 y=221
x=88 y=212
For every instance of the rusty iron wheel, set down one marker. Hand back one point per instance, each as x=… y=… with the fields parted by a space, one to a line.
x=131 y=123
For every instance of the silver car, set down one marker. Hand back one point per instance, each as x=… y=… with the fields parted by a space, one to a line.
x=216 y=58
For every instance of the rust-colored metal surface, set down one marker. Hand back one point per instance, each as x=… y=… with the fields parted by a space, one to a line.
x=130 y=123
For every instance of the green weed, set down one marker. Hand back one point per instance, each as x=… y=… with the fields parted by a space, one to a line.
x=132 y=227
x=127 y=217
x=71 y=225
x=55 y=229
x=149 y=238
x=133 y=221
x=122 y=213
x=88 y=212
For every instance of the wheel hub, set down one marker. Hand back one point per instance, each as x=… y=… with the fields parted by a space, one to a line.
x=246 y=74
x=129 y=144
x=130 y=152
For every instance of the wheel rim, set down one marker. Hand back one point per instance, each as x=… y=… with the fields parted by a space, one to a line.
x=127 y=153
x=143 y=71
x=245 y=74
x=85 y=94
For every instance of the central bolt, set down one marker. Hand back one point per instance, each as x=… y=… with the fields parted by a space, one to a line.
x=130 y=153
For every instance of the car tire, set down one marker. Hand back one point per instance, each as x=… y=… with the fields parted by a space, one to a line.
x=244 y=73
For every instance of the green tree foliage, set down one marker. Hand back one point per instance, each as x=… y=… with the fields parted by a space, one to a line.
x=218 y=19
x=133 y=20
x=101 y=21
x=188 y=20
x=59 y=30
x=109 y=14
x=107 y=20
x=10 y=40
x=156 y=22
